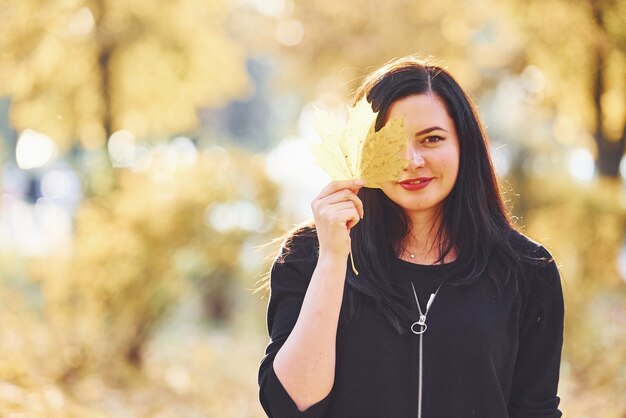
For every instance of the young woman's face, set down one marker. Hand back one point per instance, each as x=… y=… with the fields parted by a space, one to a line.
x=432 y=153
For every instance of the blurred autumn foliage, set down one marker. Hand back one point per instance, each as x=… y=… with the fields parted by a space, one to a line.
x=80 y=70
x=135 y=254
x=134 y=249
x=144 y=307
x=583 y=226
x=571 y=56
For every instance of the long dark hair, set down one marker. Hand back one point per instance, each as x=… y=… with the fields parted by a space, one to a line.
x=473 y=219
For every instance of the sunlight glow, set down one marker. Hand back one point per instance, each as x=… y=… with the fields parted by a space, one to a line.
x=292 y=166
x=501 y=157
x=290 y=32
x=122 y=148
x=582 y=165
x=269 y=7
x=621 y=262
x=34 y=150
x=61 y=184
x=622 y=167
x=186 y=151
x=241 y=214
x=81 y=23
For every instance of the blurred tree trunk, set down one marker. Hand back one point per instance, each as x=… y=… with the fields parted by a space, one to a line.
x=610 y=151
x=105 y=48
x=107 y=124
x=216 y=300
x=103 y=61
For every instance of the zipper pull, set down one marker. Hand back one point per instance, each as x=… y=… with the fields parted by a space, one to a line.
x=421 y=323
x=430 y=301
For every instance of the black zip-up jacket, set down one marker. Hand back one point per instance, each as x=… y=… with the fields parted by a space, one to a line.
x=484 y=355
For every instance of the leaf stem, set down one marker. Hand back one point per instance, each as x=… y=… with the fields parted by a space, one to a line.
x=352 y=261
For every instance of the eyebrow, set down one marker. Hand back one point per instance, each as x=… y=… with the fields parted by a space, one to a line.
x=427 y=130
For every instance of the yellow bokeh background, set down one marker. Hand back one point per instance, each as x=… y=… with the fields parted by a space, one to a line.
x=150 y=150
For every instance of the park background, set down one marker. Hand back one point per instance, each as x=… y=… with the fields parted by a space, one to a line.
x=150 y=148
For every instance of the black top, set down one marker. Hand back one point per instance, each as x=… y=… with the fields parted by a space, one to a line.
x=484 y=355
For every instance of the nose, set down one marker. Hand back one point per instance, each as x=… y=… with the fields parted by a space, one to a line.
x=415 y=159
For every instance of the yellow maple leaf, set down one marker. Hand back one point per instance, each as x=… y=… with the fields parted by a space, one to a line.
x=354 y=151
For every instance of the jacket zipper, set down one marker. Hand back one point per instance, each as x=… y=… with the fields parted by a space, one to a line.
x=419 y=393
x=423 y=327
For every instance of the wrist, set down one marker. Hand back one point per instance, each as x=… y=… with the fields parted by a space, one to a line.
x=332 y=257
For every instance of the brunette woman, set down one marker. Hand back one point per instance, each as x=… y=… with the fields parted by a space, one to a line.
x=453 y=314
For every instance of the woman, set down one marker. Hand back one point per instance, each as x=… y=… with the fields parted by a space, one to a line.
x=453 y=313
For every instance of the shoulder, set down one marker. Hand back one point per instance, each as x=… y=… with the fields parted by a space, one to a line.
x=527 y=248
x=300 y=244
x=296 y=259
x=538 y=267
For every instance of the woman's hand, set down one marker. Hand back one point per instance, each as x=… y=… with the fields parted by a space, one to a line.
x=336 y=210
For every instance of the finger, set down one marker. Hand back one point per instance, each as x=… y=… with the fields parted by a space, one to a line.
x=346 y=213
x=336 y=185
x=337 y=213
x=343 y=196
x=350 y=223
x=359 y=206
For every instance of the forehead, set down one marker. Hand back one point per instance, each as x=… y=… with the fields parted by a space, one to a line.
x=420 y=110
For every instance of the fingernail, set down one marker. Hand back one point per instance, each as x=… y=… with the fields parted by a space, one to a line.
x=359 y=182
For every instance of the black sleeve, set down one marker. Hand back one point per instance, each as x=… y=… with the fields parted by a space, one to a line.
x=289 y=280
x=536 y=376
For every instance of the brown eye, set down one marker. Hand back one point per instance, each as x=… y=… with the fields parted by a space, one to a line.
x=433 y=139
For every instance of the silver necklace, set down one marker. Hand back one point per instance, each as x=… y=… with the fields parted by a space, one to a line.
x=422 y=321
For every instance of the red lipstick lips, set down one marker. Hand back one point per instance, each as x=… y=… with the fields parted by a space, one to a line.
x=416 y=183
